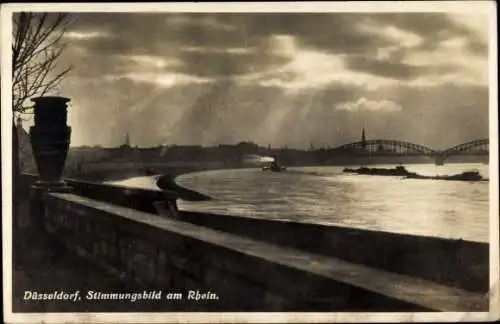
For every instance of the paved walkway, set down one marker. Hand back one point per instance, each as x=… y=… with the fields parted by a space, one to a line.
x=42 y=267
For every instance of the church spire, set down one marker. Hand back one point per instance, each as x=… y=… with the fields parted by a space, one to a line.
x=127 y=140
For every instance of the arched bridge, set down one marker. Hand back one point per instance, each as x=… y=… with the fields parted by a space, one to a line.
x=386 y=147
x=382 y=147
x=477 y=147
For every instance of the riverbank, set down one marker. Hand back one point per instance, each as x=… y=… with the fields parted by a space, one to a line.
x=165 y=179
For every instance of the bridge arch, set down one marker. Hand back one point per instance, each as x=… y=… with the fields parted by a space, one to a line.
x=482 y=145
x=389 y=146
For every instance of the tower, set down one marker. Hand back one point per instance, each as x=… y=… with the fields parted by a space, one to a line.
x=127 y=140
x=363 y=138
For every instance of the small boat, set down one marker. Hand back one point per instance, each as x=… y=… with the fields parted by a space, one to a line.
x=274 y=166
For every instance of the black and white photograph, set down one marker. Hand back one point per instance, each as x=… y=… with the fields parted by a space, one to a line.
x=250 y=162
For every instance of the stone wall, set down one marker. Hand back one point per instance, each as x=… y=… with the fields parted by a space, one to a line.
x=135 y=198
x=244 y=274
x=457 y=263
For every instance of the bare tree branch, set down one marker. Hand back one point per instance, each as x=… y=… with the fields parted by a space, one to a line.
x=36 y=49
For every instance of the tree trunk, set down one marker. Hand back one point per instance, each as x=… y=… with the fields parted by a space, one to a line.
x=16 y=172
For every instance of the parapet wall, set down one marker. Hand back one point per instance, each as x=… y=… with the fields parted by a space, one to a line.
x=457 y=263
x=136 y=198
x=243 y=274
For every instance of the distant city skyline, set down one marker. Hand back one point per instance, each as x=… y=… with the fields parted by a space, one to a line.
x=278 y=79
x=128 y=143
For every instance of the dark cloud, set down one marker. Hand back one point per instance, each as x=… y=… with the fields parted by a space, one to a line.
x=394 y=69
x=225 y=64
x=385 y=68
x=337 y=33
x=229 y=48
x=131 y=33
x=434 y=28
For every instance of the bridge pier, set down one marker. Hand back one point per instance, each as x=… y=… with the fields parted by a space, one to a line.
x=439 y=159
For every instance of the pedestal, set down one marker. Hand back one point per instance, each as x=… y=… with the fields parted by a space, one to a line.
x=37 y=205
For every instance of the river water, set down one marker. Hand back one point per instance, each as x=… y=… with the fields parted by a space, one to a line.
x=325 y=195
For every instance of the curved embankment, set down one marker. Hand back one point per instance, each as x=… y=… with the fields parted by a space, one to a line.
x=167 y=182
x=118 y=174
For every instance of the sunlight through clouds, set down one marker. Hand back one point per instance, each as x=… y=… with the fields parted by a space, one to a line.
x=262 y=74
x=82 y=35
x=451 y=53
x=363 y=104
x=152 y=61
x=283 y=45
x=166 y=80
x=162 y=80
x=478 y=23
x=313 y=70
x=401 y=37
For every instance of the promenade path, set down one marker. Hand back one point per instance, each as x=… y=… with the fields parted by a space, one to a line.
x=42 y=267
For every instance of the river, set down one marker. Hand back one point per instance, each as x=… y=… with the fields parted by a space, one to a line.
x=325 y=195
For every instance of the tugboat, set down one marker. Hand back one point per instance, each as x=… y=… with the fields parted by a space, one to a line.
x=274 y=166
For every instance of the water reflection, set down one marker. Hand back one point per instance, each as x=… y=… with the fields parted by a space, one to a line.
x=325 y=195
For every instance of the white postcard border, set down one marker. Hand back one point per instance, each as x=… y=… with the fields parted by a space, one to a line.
x=289 y=317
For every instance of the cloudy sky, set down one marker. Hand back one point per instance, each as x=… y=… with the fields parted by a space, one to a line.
x=275 y=78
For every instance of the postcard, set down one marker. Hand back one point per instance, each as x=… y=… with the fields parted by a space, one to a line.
x=259 y=162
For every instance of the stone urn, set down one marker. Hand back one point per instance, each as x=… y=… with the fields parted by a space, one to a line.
x=50 y=138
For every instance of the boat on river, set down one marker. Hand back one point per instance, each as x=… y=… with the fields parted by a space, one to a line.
x=401 y=171
x=397 y=171
x=274 y=166
x=472 y=175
